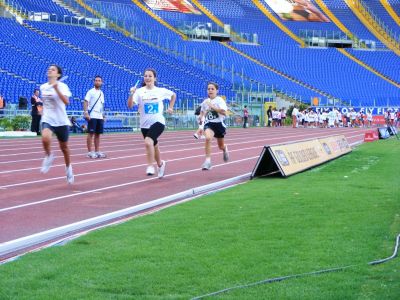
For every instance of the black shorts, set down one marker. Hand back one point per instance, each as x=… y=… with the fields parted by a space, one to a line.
x=153 y=132
x=61 y=132
x=96 y=126
x=217 y=127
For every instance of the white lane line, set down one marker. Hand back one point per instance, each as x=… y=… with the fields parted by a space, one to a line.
x=117 y=141
x=117 y=186
x=117 y=158
x=136 y=166
x=165 y=144
x=121 y=168
x=34 y=239
x=109 y=137
x=131 y=156
x=38 y=146
x=137 y=142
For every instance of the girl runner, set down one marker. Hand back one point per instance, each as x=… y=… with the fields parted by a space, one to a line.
x=55 y=96
x=214 y=109
x=150 y=98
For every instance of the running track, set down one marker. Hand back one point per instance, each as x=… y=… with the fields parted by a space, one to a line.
x=31 y=202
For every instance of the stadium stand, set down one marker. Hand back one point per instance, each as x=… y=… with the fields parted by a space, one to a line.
x=314 y=66
x=380 y=12
x=41 y=6
x=280 y=84
x=340 y=9
x=48 y=10
x=395 y=5
x=380 y=60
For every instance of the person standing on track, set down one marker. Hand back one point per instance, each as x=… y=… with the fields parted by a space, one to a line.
x=269 y=115
x=149 y=99
x=55 y=96
x=245 y=117
x=214 y=109
x=36 y=111
x=93 y=109
x=295 y=113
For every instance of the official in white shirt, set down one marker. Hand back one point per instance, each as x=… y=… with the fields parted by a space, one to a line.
x=93 y=109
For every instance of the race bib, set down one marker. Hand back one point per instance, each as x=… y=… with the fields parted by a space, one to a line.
x=151 y=108
x=211 y=115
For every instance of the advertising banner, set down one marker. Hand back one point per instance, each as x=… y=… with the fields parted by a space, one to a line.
x=297 y=10
x=289 y=159
x=374 y=110
x=182 y=6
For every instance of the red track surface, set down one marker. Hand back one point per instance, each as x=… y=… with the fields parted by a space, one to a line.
x=31 y=202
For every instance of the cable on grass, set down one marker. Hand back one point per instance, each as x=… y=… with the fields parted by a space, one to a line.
x=282 y=278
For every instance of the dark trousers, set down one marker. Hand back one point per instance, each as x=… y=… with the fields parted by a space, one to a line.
x=76 y=129
x=35 y=125
x=245 y=120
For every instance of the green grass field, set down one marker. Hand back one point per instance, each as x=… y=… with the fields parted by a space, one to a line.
x=343 y=213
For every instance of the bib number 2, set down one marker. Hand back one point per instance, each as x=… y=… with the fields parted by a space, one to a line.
x=151 y=108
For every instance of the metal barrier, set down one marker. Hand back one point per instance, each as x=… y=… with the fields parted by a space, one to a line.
x=131 y=120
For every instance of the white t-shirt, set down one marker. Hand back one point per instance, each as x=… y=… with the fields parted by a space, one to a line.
x=337 y=115
x=151 y=105
x=91 y=97
x=54 y=112
x=331 y=117
x=295 y=112
x=213 y=116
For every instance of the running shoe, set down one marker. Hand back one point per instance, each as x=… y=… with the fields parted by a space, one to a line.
x=206 y=165
x=47 y=162
x=226 y=154
x=91 y=154
x=196 y=136
x=150 y=170
x=70 y=174
x=100 y=155
x=161 y=169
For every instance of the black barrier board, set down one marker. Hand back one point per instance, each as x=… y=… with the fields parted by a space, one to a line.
x=266 y=164
x=383 y=133
x=392 y=130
